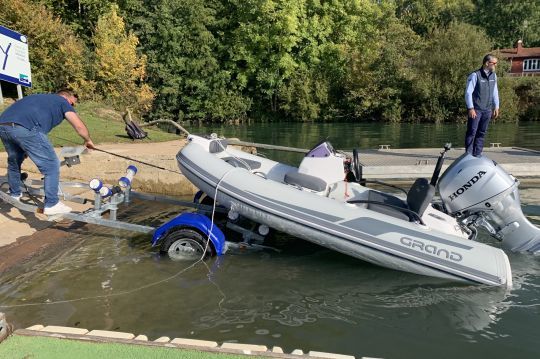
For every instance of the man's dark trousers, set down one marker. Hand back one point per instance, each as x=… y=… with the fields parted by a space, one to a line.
x=476 y=131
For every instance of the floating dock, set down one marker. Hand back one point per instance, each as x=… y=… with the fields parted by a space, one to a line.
x=410 y=163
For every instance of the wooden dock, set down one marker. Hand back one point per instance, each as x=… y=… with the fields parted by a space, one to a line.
x=410 y=163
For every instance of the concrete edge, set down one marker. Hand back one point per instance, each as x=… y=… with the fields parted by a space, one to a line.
x=179 y=343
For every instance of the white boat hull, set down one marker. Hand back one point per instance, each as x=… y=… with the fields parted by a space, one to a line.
x=350 y=229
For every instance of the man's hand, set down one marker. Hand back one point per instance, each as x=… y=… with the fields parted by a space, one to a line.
x=472 y=113
x=495 y=113
x=89 y=144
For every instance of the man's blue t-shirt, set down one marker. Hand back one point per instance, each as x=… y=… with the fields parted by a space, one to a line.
x=45 y=111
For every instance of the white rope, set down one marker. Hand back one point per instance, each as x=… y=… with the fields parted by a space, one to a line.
x=239 y=159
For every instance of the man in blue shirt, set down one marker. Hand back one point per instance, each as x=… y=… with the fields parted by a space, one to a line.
x=23 y=130
x=482 y=99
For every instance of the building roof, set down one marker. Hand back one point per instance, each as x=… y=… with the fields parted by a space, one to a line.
x=519 y=51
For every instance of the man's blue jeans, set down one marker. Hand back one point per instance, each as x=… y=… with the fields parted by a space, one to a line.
x=19 y=142
x=476 y=131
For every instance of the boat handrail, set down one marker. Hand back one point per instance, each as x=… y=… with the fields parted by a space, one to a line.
x=411 y=214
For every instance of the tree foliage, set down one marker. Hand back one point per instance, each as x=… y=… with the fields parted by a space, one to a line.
x=442 y=68
x=80 y=15
x=303 y=60
x=508 y=21
x=119 y=71
x=186 y=64
x=425 y=16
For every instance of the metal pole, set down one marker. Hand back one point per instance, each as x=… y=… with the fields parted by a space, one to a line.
x=127 y=193
x=1 y=96
x=19 y=92
x=233 y=141
x=97 y=201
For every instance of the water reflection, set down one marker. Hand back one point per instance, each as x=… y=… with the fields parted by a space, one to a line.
x=353 y=296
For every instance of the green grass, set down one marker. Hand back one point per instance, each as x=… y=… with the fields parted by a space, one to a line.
x=105 y=126
x=19 y=346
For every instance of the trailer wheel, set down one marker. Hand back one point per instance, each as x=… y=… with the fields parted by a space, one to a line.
x=185 y=244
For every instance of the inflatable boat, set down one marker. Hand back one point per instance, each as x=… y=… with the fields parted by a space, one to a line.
x=325 y=201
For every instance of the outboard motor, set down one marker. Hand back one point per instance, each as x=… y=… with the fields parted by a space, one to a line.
x=478 y=192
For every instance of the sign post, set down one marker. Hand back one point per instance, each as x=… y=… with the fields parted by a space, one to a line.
x=14 y=60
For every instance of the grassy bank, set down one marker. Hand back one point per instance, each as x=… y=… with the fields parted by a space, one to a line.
x=105 y=126
x=18 y=346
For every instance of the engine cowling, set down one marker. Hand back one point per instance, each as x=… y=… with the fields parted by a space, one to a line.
x=474 y=184
x=481 y=193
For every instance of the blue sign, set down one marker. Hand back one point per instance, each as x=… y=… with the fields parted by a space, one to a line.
x=14 y=59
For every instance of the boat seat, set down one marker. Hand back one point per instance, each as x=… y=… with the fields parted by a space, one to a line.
x=418 y=199
x=303 y=180
x=242 y=162
x=420 y=195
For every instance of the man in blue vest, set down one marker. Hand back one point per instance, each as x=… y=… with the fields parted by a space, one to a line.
x=482 y=99
x=23 y=130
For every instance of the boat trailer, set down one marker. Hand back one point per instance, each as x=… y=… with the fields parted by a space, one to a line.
x=183 y=237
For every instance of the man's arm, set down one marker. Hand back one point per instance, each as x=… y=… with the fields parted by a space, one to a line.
x=80 y=128
x=496 y=99
x=469 y=89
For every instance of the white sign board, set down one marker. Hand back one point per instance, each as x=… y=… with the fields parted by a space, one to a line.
x=14 y=59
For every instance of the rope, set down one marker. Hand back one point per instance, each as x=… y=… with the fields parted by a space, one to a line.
x=248 y=167
x=121 y=156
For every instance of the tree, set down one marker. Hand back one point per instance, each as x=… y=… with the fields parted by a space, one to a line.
x=342 y=40
x=424 y=16
x=187 y=64
x=381 y=88
x=263 y=44
x=509 y=21
x=296 y=56
x=80 y=15
x=119 y=70
x=442 y=68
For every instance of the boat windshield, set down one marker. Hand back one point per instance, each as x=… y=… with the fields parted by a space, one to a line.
x=322 y=149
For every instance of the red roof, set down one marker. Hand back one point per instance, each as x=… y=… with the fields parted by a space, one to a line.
x=520 y=51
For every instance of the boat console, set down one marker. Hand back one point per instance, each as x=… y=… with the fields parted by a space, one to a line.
x=323 y=162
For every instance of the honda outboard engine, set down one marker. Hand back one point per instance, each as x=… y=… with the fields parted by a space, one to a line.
x=478 y=192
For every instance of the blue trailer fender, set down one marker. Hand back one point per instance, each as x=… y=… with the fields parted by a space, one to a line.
x=196 y=221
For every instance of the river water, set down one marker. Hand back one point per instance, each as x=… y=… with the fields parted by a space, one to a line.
x=300 y=297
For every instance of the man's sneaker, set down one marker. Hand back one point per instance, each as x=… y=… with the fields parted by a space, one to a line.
x=17 y=198
x=58 y=208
